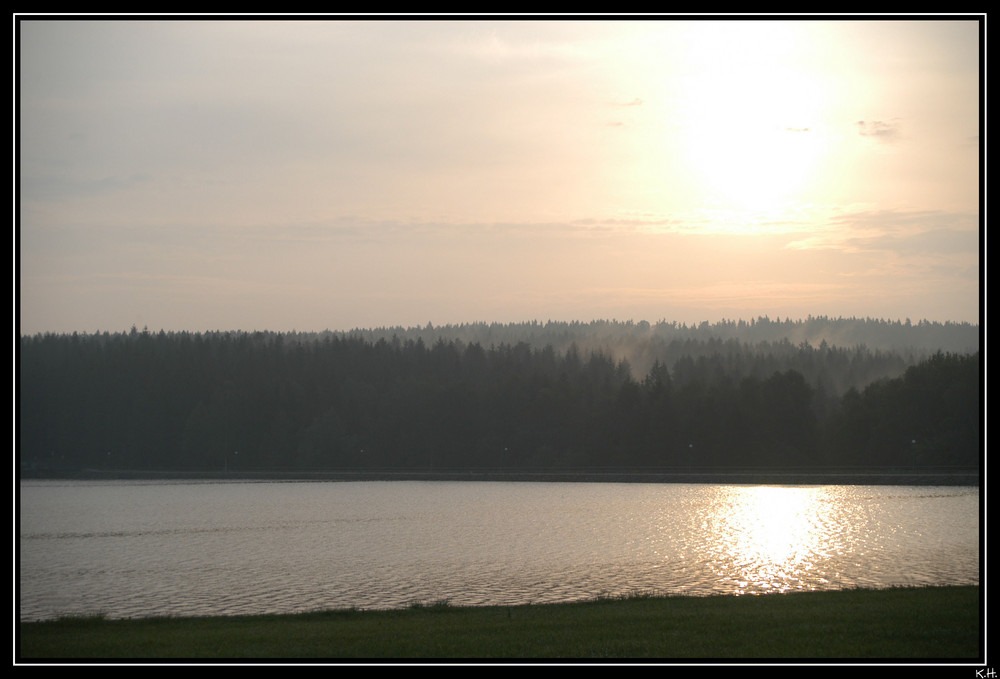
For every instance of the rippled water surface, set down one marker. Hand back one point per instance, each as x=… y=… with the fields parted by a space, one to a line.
x=132 y=549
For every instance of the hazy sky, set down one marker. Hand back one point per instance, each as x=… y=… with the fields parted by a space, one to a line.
x=278 y=175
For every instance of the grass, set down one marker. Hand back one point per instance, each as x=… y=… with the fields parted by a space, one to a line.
x=935 y=624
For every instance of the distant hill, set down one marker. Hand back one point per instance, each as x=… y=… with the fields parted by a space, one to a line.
x=641 y=344
x=902 y=336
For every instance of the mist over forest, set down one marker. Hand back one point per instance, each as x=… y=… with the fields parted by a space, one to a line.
x=814 y=393
x=641 y=343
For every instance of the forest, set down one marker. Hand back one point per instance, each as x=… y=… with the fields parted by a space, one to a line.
x=806 y=394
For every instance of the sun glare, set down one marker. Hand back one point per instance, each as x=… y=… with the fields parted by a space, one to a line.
x=751 y=166
x=772 y=537
x=749 y=118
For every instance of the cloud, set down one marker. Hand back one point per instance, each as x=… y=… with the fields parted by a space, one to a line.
x=54 y=186
x=902 y=231
x=497 y=48
x=879 y=130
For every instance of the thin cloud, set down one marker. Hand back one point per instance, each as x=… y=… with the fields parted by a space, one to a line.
x=493 y=48
x=58 y=186
x=628 y=104
x=895 y=230
x=879 y=130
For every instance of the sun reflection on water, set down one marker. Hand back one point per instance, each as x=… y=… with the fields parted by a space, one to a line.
x=769 y=538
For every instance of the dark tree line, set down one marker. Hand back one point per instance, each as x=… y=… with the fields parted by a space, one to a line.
x=270 y=401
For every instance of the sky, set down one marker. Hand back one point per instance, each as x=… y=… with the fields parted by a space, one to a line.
x=200 y=175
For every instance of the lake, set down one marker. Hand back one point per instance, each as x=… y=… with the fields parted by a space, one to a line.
x=183 y=548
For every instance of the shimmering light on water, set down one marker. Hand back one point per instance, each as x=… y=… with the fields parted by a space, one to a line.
x=129 y=549
x=776 y=536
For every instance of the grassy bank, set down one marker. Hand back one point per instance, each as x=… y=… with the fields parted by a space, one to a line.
x=939 y=624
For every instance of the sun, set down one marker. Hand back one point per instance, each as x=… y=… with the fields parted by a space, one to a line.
x=750 y=121
x=754 y=165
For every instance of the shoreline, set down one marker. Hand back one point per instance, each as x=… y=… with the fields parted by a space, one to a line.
x=746 y=476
